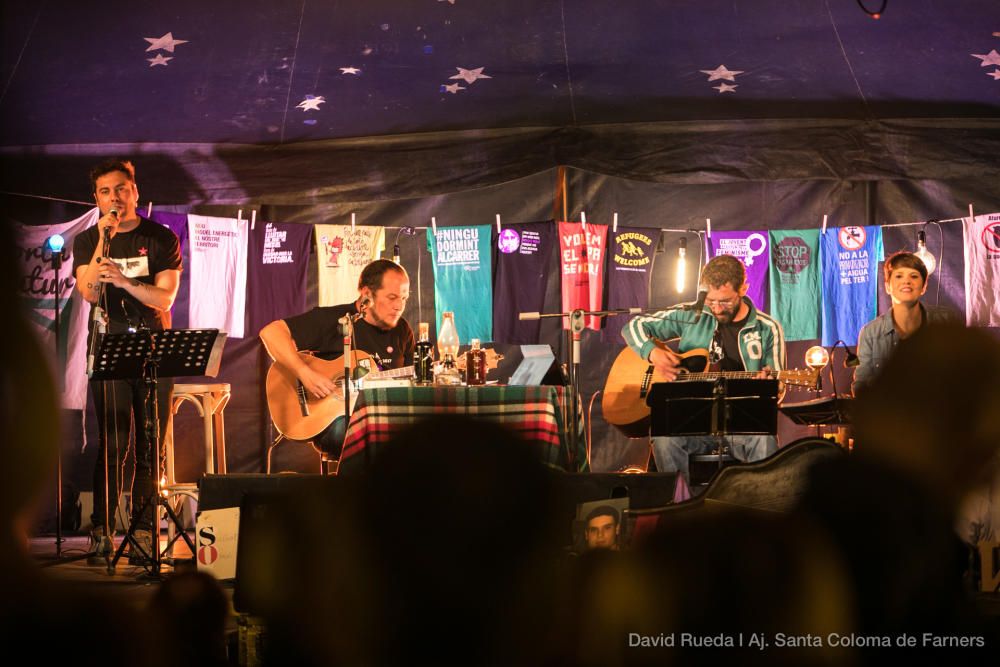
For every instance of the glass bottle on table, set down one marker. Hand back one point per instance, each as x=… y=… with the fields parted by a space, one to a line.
x=423 y=356
x=475 y=365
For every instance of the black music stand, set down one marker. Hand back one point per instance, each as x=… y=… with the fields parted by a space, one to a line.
x=718 y=407
x=150 y=355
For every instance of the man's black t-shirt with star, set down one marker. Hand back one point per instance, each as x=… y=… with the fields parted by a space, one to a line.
x=318 y=330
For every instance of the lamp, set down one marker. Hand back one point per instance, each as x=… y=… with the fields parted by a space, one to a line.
x=925 y=255
x=817 y=357
x=55 y=244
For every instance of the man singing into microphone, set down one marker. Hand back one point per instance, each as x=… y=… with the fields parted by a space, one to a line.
x=134 y=282
x=737 y=336
x=383 y=290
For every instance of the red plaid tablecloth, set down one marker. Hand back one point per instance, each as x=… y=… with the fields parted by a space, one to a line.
x=538 y=414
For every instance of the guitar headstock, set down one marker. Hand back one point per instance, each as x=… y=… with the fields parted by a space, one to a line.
x=806 y=377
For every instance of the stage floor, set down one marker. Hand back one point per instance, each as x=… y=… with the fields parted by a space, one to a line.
x=130 y=582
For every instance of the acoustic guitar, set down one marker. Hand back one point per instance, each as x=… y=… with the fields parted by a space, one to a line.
x=630 y=378
x=298 y=415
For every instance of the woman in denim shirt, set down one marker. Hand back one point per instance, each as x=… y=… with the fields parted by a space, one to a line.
x=905 y=282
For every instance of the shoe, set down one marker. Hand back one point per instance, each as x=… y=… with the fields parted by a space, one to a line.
x=100 y=547
x=144 y=554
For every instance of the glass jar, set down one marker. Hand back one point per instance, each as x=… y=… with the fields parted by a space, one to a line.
x=448 y=336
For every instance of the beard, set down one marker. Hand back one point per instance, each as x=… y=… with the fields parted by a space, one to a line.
x=382 y=323
x=728 y=315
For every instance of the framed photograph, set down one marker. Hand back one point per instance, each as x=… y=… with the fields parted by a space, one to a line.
x=599 y=525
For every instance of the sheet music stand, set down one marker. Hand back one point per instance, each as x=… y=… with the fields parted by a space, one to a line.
x=820 y=412
x=150 y=355
x=717 y=407
x=828 y=411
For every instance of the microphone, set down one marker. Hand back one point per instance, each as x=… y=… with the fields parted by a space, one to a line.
x=698 y=305
x=113 y=212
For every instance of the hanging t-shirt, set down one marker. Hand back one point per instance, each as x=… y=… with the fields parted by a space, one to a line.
x=463 y=279
x=751 y=249
x=277 y=272
x=180 y=312
x=38 y=295
x=795 y=282
x=218 y=273
x=581 y=262
x=630 y=262
x=982 y=270
x=850 y=258
x=341 y=255
x=523 y=255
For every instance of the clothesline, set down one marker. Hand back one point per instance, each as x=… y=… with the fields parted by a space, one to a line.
x=426 y=227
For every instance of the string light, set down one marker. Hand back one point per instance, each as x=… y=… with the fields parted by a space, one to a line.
x=681 y=266
x=925 y=255
x=877 y=14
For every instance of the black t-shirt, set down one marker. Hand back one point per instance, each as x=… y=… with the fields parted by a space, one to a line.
x=318 y=330
x=140 y=254
x=726 y=346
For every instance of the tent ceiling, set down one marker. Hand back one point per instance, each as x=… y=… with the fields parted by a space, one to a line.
x=272 y=74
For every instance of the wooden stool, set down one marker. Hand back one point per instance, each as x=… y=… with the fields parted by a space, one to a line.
x=210 y=400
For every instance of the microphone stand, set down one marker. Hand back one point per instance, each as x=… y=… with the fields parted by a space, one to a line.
x=100 y=321
x=577 y=323
x=57 y=260
x=347 y=329
x=98 y=327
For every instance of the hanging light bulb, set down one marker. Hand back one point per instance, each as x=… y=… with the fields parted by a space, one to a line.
x=681 y=266
x=925 y=255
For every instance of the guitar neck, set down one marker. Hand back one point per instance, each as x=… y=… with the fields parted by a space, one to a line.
x=391 y=373
x=730 y=375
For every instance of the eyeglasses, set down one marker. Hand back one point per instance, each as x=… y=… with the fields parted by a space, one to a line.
x=725 y=303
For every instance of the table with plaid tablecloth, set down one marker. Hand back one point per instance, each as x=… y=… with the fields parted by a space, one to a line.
x=538 y=414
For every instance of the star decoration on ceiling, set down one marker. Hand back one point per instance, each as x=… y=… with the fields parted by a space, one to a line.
x=453 y=88
x=143 y=251
x=995 y=74
x=350 y=70
x=311 y=103
x=165 y=43
x=470 y=75
x=726 y=88
x=991 y=58
x=160 y=59
x=721 y=72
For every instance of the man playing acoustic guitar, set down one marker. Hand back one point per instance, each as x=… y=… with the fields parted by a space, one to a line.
x=738 y=337
x=383 y=289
